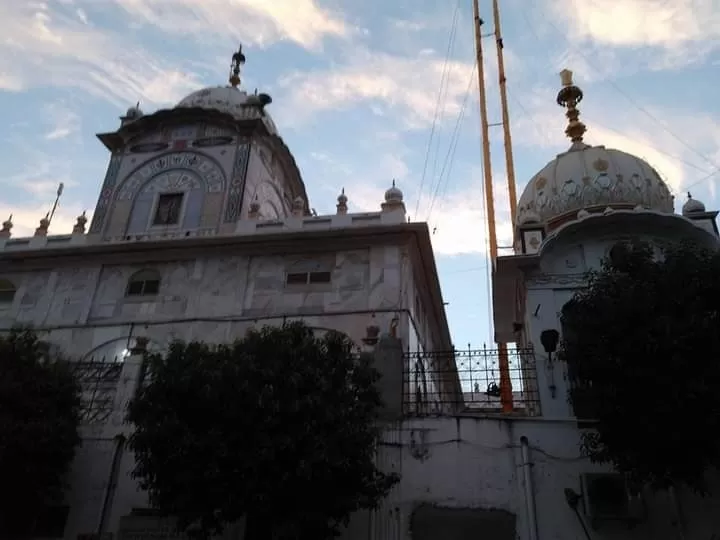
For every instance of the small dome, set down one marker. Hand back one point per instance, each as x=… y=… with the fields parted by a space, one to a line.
x=134 y=112
x=592 y=176
x=393 y=194
x=342 y=198
x=229 y=100
x=692 y=206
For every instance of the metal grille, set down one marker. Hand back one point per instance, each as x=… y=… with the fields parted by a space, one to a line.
x=471 y=380
x=99 y=380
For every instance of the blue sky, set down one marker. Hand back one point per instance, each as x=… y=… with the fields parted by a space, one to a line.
x=355 y=86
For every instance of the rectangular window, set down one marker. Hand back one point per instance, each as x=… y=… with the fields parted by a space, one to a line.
x=168 y=209
x=320 y=277
x=297 y=278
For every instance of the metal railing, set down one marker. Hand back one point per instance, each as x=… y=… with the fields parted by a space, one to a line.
x=470 y=380
x=98 y=380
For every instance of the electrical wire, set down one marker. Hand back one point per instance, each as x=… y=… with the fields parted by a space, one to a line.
x=500 y=448
x=454 y=138
x=444 y=89
x=451 y=41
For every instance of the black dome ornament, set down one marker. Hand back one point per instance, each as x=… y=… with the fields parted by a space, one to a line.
x=238 y=60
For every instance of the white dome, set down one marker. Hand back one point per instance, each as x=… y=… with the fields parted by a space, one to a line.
x=588 y=177
x=394 y=194
x=692 y=206
x=229 y=100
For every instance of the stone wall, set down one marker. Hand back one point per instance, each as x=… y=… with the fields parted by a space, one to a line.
x=83 y=309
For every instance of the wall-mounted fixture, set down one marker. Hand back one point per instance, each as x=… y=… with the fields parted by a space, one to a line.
x=549 y=339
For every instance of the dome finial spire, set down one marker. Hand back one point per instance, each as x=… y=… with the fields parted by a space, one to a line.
x=238 y=60
x=569 y=96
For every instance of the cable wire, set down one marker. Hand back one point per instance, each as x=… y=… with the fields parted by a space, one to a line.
x=451 y=41
x=454 y=138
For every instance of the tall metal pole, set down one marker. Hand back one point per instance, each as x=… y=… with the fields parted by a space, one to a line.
x=509 y=162
x=487 y=165
x=506 y=399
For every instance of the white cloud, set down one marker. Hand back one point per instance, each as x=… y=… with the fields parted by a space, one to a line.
x=406 y=86
x=63 y=121
x=680 y=32
x=42 y=46
x=259 y=22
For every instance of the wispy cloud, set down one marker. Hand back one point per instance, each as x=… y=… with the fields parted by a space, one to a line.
x=44 y=46
x=397 y=85
x=664 y=34
x=63 y=121
x=257 y=22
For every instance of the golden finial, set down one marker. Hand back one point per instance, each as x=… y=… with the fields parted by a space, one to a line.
x=238 y=60
x=569 y=96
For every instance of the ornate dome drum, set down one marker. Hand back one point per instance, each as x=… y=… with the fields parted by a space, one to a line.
x=589 y=177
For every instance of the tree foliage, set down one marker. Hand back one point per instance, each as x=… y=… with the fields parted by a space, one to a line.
x=642 y=344
x=39 y=419
x=278 y=426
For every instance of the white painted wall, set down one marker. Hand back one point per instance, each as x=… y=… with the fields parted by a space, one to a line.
x=468 y=462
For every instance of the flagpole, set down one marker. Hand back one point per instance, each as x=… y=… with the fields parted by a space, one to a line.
x=57 y=200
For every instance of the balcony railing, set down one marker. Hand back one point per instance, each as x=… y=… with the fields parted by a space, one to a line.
x=470 y=381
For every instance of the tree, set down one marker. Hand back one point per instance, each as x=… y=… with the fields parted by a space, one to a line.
x=279 y=427
x=642 y=343
x=39 y=419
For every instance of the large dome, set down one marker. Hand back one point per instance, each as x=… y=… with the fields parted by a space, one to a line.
x=592 y=176
x=232 y=101
x=589 y=177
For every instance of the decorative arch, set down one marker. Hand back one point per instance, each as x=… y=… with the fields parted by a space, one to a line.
x=268 y=193
x=204 y=166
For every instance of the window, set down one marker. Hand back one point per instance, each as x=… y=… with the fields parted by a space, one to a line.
x=310 y=271
x=7 y=292
x=144 y=283
x=308 y=278
x=167 y=211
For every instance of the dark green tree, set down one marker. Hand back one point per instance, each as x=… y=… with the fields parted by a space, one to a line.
x=642 y=343
x=279 y=427
x=39 y=419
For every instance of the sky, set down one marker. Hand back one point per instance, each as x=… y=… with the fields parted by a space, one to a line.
x=365 y=92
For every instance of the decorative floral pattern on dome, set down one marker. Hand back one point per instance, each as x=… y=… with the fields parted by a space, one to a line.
x=593 y=176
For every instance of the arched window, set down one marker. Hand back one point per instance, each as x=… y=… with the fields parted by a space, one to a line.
x=144 y=283
x=7 y=292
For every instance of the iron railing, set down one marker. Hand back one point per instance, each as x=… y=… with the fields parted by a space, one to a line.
x=98 y=380
x=470 y=380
